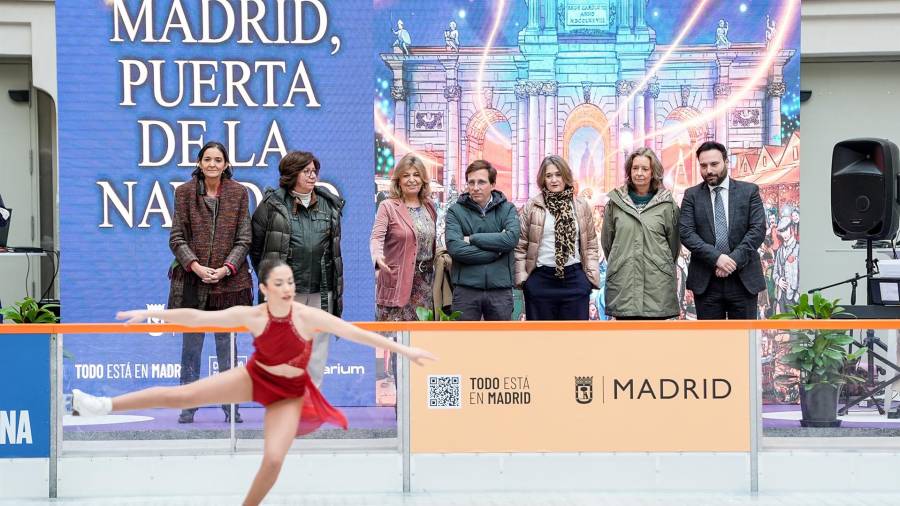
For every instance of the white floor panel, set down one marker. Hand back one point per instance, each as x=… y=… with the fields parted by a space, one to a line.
x=226 y=474
x=501 y=499
x=585 y=472
x=828 y=471
x=24 y=477
x=794 y=478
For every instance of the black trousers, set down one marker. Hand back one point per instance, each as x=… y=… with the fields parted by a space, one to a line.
x=192 y=350
x=726 y=299
x=476 y=304
x=550 y=298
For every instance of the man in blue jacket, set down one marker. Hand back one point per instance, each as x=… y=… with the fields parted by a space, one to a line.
x=482 y=229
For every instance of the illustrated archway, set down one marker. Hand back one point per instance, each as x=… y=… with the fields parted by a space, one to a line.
x=489 y=137
x=681 y=136
x=587 y=148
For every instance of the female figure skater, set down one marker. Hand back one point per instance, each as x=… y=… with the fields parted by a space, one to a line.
x=275 y=376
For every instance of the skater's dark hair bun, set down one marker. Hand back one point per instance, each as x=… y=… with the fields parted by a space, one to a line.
x=266 y=268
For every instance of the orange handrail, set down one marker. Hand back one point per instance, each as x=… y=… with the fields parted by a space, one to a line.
x=519 y=326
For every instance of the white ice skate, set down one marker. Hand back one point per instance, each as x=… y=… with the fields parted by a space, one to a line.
x=88 y=405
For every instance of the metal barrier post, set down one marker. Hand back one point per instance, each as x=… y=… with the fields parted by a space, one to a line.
x=403 y=421
x=231 y=407
x=755 y=411
x=55 y=413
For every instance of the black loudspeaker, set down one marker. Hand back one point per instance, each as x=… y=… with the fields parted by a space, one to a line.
x=864 y=189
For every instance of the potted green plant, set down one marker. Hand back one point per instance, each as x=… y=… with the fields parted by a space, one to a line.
x=820 y=357
x=427 y=315
x=29 y=310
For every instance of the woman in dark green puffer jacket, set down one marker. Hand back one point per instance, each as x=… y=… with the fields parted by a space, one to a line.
x=641 y=243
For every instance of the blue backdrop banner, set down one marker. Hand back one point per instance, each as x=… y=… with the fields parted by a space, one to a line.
x=25 y=395
x=142 y=86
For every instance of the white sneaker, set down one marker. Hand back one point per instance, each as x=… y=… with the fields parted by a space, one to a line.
x=88 y=405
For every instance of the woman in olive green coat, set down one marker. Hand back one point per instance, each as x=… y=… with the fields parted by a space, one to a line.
x=641 y=243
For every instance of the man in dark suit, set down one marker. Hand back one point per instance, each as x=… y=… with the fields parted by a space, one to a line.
x=4 y=219
x=723 y=224
x=4 y=213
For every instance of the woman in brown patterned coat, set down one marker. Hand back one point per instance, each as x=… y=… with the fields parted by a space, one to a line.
x=210 y=238
x=402 y=244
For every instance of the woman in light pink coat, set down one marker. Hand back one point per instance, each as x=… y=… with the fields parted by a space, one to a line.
x=402 y=244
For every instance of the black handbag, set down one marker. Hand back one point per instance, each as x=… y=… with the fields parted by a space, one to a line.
x=189 y=297
x=190 y=283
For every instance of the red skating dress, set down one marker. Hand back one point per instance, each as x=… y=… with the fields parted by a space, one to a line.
x=280 y=343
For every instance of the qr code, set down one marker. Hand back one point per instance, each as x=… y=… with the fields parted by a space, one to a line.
x=443 y=392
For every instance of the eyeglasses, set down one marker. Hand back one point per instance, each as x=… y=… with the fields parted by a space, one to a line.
x=309 y=173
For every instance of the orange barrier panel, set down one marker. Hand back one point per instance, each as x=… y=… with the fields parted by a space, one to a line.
x=582 y=391
x=112 y=328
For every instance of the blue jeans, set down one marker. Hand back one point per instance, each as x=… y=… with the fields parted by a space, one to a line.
x=191 y=351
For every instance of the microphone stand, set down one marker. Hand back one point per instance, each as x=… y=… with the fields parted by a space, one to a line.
x=870 y=341
x=853 y=282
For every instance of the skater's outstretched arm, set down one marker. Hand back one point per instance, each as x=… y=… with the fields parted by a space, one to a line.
x=328 y=323
x=236 y=316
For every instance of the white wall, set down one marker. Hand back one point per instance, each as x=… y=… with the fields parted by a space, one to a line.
x=851 y=63
x=849 y=28
x=849 y=99
x=27 y=60
x=28 y=30
x=19 y=276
